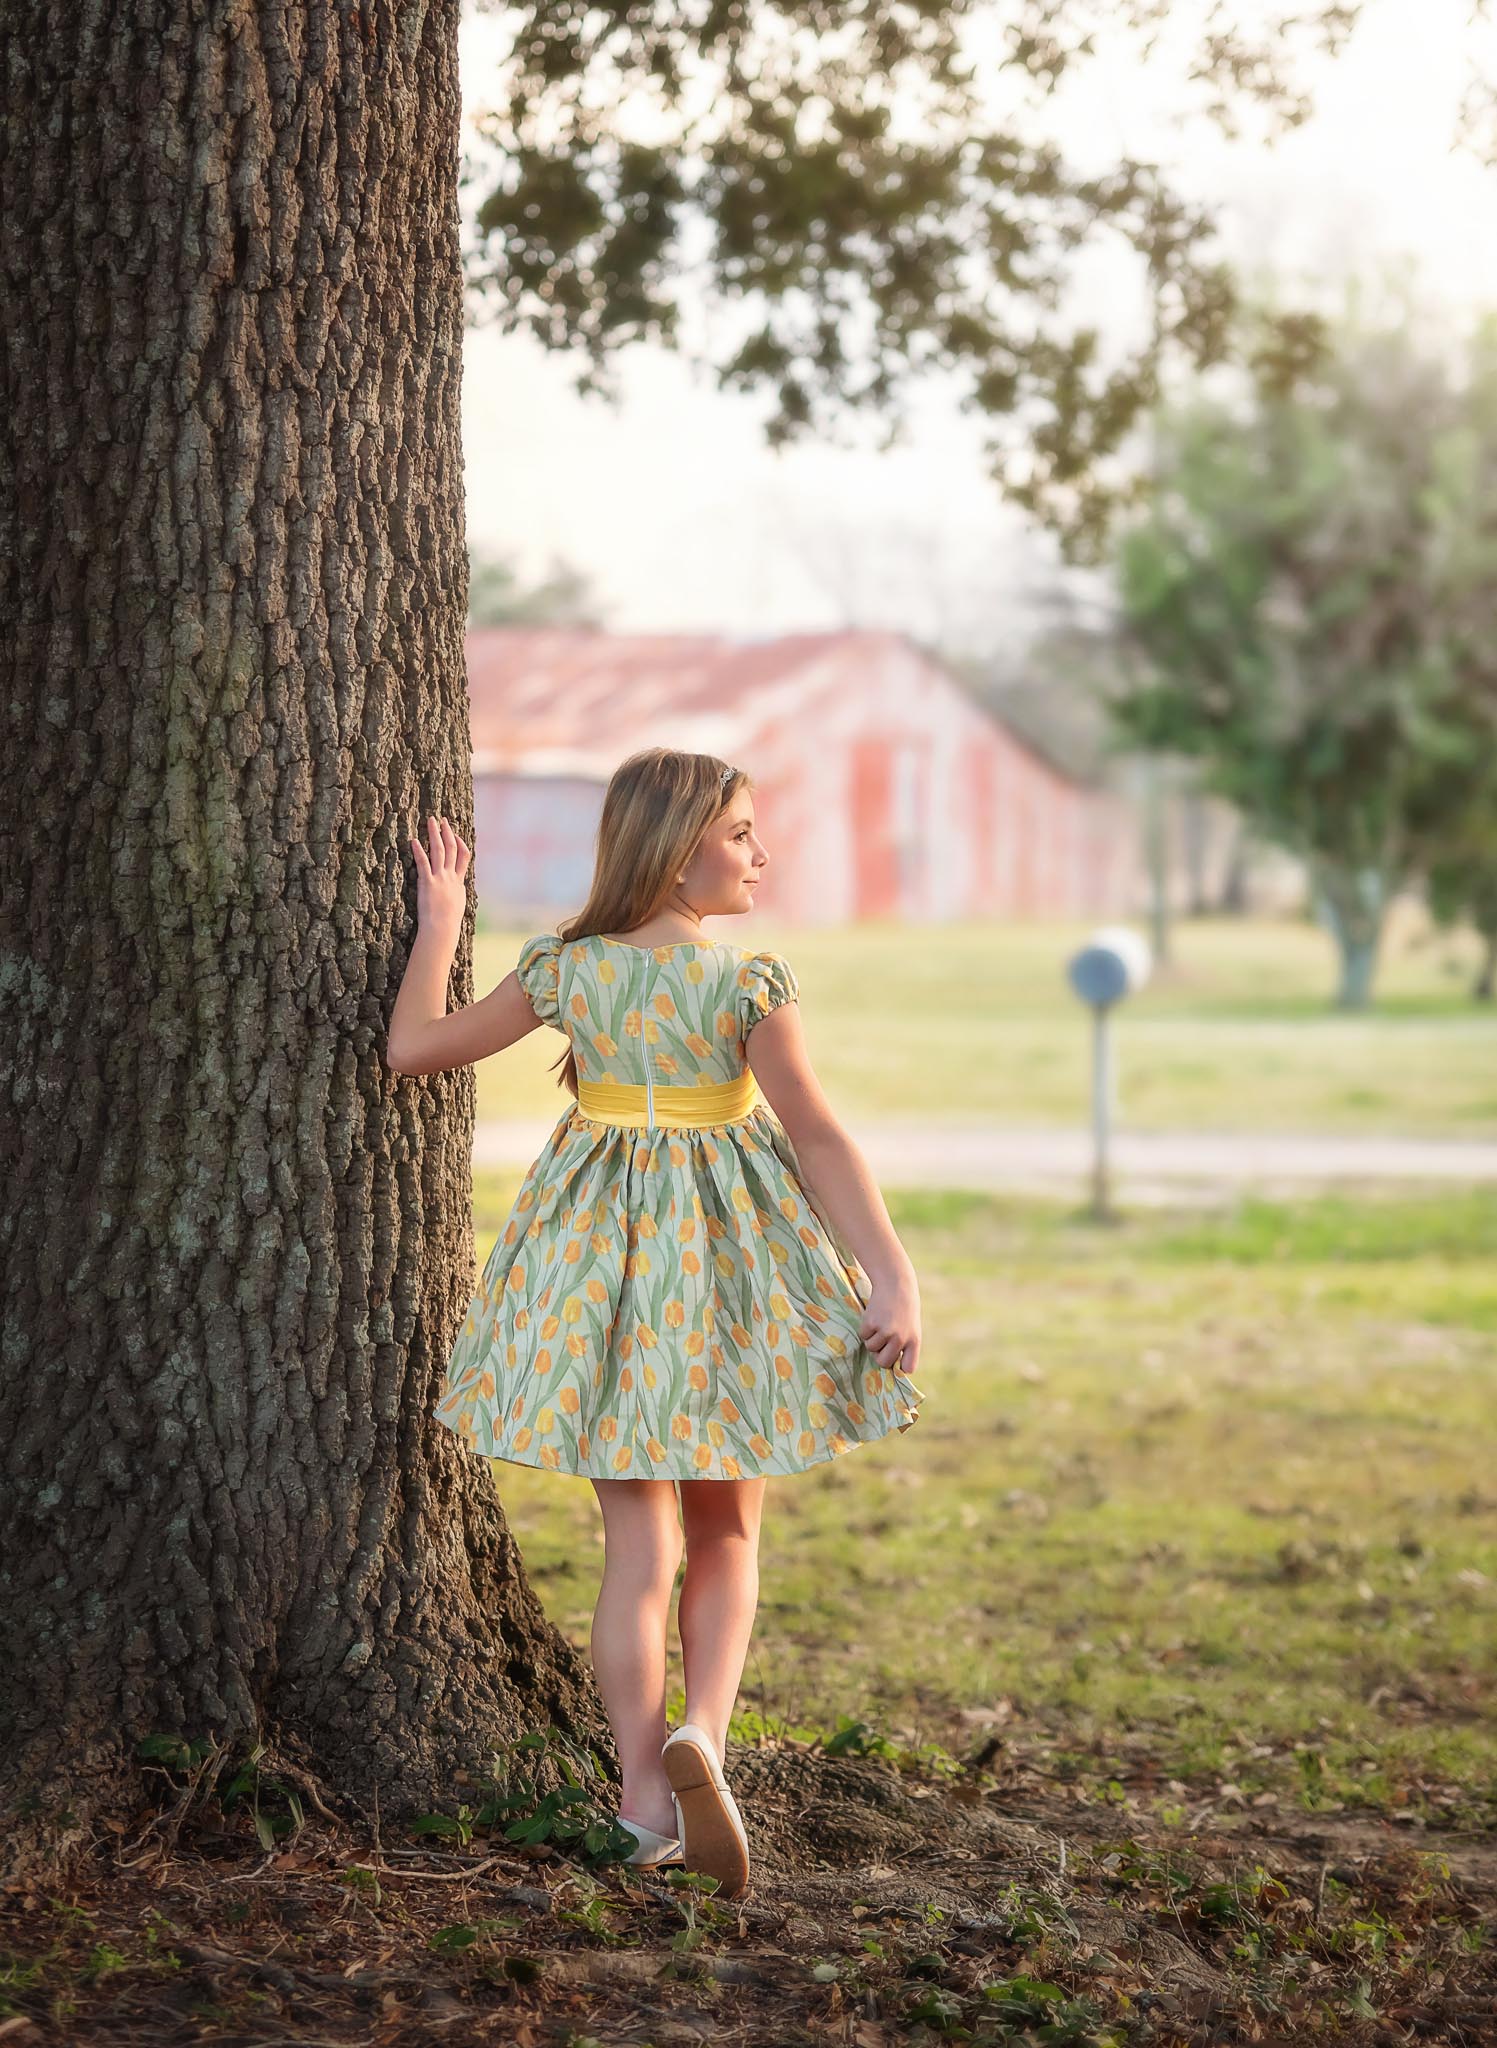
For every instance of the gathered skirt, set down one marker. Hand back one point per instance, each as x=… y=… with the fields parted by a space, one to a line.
x=669 y=1302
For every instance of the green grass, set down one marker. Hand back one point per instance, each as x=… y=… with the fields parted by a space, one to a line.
x=1461 y=1225
x=1218 y=1494
x=1238 y=1033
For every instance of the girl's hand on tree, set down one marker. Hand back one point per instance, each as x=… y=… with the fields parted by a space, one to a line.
x=891 y=1321
x=441 y=895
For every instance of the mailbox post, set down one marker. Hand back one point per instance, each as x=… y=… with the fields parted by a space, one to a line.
x=1113 y=963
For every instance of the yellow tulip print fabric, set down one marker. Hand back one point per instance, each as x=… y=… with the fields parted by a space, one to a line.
x=666 y=1301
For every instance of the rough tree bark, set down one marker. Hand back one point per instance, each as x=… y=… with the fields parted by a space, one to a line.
x=235 y=1246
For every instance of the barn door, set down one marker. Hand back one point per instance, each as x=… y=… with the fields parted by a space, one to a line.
x=890 y=836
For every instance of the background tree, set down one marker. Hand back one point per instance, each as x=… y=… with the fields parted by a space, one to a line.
x=1309 y=608
x=1462 y=889
x=1456 y=813
x=1455 y=806
x=866 y=194
x=1056 y=689
x=499 y=596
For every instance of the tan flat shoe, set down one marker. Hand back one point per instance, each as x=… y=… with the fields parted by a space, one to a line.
x=713 y=1840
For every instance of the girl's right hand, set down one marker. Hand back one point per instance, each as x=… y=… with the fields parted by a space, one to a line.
x=441 y=895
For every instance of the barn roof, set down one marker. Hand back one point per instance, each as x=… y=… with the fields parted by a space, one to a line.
x=572 y=700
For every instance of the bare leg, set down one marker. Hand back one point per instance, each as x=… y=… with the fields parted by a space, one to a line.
x=719 y=1595
x=642 y=1551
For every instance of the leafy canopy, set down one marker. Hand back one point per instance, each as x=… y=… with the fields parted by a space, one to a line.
x=1313 y=589
x=850 y=196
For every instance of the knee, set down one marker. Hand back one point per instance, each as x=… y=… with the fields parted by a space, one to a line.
x=725 y=1539
x=650 y=1563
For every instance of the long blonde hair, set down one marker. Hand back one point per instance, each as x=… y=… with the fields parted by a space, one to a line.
x=657 y=806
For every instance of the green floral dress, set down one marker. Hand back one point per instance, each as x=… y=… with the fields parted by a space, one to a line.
x=666 y=1301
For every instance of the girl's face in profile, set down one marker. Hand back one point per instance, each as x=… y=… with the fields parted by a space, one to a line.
x=722 y=875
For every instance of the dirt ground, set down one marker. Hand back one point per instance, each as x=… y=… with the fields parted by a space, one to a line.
x=885 y=1906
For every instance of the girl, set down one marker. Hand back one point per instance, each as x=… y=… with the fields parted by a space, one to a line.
x=676 y=1298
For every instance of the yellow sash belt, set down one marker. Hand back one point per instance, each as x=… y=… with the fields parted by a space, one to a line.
x=626 y=1102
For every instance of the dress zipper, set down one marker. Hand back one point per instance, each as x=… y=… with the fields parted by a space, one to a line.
x=644 y=1044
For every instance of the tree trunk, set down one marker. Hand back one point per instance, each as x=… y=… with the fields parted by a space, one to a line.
x=1487 y=973
x=1353 y=904
x=237 y=1248
x=1233 y=898
x=1194 y=833
x=1156 y=856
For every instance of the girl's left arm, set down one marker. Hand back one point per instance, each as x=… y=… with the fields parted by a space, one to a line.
x=837 y=1172
x=423 y=1037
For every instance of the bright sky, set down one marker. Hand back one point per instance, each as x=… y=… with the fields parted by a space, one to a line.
x=684 y=520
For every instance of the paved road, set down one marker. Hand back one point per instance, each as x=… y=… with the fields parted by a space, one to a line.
x=1159 y=1166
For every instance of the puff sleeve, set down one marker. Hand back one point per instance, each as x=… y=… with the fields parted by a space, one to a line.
x=539 y=971
x=764 y=982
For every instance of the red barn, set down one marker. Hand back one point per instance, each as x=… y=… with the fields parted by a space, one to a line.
x=883 y=790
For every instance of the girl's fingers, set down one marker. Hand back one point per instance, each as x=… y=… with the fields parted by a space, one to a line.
x=887 y=1347
x=450 y=853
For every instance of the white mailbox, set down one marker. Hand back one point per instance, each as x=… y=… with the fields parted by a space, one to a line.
x=1113 y=963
